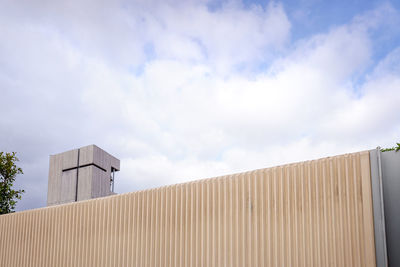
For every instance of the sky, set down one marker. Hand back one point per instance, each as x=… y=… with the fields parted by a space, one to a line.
x=184 y=90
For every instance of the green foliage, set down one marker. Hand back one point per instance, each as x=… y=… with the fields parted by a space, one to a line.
x=396 y=148
x=8 y=171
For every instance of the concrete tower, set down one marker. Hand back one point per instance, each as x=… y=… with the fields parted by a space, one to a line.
x=79 y=174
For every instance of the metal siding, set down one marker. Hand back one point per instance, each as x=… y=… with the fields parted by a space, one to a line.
x=314 y=213
x=391 y=196
x=379 y=212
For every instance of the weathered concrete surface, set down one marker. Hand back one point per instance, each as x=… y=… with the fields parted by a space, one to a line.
x=92 y=174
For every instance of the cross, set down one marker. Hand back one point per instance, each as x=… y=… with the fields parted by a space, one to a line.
x=77 y=173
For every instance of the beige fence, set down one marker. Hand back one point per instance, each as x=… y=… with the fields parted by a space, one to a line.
x=315 y=213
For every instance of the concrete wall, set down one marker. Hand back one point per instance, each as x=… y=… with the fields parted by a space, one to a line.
x=314 y=213
x=92 y=174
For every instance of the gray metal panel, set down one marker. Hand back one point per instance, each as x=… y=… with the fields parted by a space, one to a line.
x=378 y=204
x=391 y=196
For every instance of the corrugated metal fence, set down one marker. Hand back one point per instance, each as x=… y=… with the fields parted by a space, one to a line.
x=315 y=213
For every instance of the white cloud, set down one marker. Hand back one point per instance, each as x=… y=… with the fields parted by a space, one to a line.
x=376 y=111
x=176 y=92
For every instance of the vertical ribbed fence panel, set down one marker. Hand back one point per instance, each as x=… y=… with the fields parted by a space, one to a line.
x=314 y=213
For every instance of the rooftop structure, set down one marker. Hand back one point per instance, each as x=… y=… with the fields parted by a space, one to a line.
x=80 y=174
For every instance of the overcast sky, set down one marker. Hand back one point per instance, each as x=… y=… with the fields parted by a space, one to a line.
x=182 y=90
